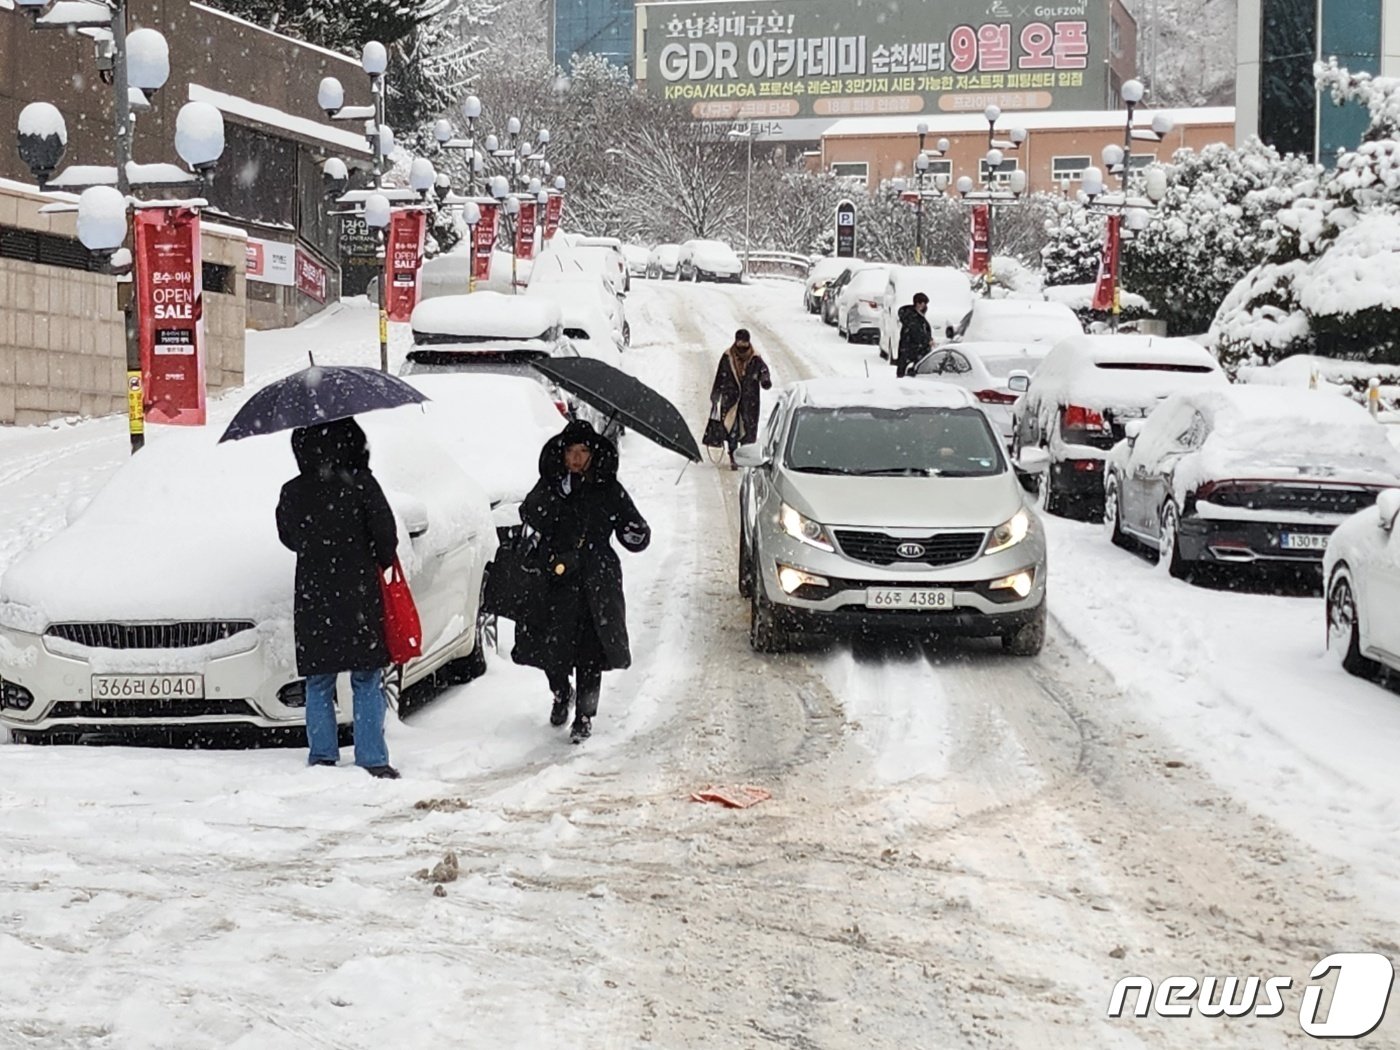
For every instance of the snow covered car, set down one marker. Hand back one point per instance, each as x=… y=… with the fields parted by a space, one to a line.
x=986 y=370
x=858 y=303
x=822 y=273
x=638 y=258
x=1361 y=572
x=167 y=601
x=1245 y=475
x=882 y=504
x=831 y=294
x=709 y=261
x=948 y=291
x=1026 y=321
x=1085 y=392
x=664 y=262
x=560 y=274
x=587 y=325
x=608 y=256
x=494 y=427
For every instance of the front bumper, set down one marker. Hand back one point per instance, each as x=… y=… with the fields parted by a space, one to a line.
x=978 y=609
x=242 y=678
x=1225 y=542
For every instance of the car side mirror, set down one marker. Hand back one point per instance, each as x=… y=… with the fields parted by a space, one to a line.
x=1018 y=382
x=1388 y=507
x=750 y=456
x=1132 y=429
x=950 y=331
x=1033 y=461
x=413 y=512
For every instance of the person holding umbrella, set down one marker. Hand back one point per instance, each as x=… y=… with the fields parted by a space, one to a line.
x=578 y=628
x=735 y=396
x=336 y=519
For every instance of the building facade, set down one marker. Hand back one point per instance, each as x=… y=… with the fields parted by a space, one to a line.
x=1279 y=43
x=1058 y=147
x=606 y=28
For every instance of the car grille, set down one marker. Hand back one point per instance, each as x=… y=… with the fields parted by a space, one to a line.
x=150 y=708
x=879 y=548
x=1313 y=499
x=186 y=634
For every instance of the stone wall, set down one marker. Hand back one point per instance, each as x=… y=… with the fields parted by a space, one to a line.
x=62 y=342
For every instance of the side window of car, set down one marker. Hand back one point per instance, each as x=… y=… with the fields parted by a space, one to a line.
x=935 y=364
x=772 y=439
x=957 y=364
x=1194 y=434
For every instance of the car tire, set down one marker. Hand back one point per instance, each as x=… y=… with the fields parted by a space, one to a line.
x=1169 y=543
x=1113 y=511
x=1047 y=499
x=1344 y=627
x=765 y=636
x=467 y=668
x=1029 y=638
x=850 y=336
x=746 y=580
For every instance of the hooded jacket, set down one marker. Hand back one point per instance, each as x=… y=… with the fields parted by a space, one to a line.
x=336 y=519
x=576 y=518
x=915 y=335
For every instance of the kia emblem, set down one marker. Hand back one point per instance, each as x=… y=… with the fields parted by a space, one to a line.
x=910 y=551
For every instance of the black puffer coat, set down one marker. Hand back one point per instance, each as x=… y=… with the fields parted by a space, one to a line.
x=335 y=517
x=580 y=525
x=740 y=384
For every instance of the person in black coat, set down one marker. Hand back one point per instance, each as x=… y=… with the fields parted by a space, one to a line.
x=335 y=517
x=915 y=335
x=736 y=392
x=580 y=626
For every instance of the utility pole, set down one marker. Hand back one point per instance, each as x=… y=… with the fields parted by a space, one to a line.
x=121 y=109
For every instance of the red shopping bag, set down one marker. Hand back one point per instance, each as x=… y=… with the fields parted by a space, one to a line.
x=403 y=633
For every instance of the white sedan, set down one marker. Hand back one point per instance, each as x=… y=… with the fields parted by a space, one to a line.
x=167 y=601
x=986 y=370
x=858 y=303
x=1362 y=573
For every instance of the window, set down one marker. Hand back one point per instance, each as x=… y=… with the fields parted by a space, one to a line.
x=852 y=169
x=1287 y=93
x=47 y=248
x=944 y=363
x=1003 y=172
x=1115 y=37
x=939 y=166
x=217 y=278
x=1071 y=168
x=1139 y=161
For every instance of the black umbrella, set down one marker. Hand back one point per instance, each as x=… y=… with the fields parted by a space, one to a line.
x=319 y=394
x=627 y=400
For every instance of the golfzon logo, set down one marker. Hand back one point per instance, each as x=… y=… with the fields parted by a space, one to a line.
x=1360 y=994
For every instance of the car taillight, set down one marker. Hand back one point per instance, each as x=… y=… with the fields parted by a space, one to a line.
x=1077 y=417
x=871 y=303
x=997 y=397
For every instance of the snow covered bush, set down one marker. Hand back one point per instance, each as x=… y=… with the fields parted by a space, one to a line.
x=1074 y=242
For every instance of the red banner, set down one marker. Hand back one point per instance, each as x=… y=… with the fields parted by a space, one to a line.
x=485 y=240
x=402 y=259
x=980 y=260
x=553 y=212
x=170 y=305
x=1106 y=288
x=311 y=277
x=525 y=231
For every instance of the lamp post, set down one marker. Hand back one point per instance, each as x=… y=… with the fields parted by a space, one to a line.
x=992 y=199
x=1134 y=212
x=747 y=135
x=138 y=62
x=922 y=164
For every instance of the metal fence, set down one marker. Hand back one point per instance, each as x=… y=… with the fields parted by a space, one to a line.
x=787 y=266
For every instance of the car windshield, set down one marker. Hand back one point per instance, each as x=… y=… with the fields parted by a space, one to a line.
x=894 y=442
x=517 y=363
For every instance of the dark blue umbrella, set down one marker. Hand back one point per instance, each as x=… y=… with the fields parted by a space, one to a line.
x=320 y=394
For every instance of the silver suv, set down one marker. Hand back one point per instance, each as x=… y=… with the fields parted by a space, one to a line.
x=885 y=504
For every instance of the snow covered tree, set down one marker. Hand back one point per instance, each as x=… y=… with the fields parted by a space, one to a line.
x=1073 y=246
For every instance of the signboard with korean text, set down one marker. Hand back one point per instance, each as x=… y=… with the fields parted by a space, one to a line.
x=357 y=239
x=484 y=240
x=525 y=231
x=784 y=59
x=980 y=257
x=553 y=213
x=1106 y=286
x=846 y=230
x=311 y=277
x=271 y=262
x=403 y=258
x=170 y=307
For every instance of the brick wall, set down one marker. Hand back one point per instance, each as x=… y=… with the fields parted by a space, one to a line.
x=62 y=343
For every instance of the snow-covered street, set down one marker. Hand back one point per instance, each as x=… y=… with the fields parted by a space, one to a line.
x=963 y=849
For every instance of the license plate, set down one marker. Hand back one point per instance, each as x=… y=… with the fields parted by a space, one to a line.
x=1302 y=541
x=909 y=598
x=148 y=687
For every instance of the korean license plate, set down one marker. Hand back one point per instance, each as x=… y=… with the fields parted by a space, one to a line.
x=148 y=687
x=1303 y=541
x=909 y=597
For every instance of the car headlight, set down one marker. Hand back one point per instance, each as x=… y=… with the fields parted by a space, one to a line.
x=1009 y=533
x=802 y=528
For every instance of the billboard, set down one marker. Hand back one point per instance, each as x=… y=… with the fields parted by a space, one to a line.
x=783 y=60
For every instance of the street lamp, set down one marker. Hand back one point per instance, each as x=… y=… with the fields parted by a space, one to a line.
x=747 y=135
x=922 y=164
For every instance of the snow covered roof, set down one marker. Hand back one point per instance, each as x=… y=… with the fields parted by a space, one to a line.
x=975 y=123
x=80 y=176
x=349 y=60
x=1239 y=406
x=1111 y=349
x=234 y=106
x=841 y=392
x=486 y=315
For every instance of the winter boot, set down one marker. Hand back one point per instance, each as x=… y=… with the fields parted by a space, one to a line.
x=559 y=713
x=583 y=729
x=382 y=772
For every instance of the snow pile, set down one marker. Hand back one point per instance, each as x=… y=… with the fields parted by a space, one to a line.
x=484 y=315
x=199 y=134
x=1021 y=321
x=1080 y=298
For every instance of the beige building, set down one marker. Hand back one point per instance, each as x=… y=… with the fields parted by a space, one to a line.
x=1058 y=146
x=62 y=335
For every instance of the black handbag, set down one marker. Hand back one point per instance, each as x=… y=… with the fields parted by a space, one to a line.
x=516 y=581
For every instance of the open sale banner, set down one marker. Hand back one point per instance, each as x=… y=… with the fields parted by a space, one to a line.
x=525 y=231
x=553 y=213
x=404 y=259
x=484 y=240
x=170 y=305
x=981 y=259
x=1106 y=287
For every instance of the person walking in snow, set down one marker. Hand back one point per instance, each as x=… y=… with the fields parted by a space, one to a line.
x=580 y=627
x=735 y=396
x=915 y=335
x=335 y=518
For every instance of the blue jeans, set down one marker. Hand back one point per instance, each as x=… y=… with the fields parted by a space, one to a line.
x=321 y=731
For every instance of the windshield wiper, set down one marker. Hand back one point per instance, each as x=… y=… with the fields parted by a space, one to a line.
x=820 y=470
x=898 y=472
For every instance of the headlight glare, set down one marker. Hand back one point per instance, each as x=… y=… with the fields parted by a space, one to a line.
x=1010 y=533
x=802 y=528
